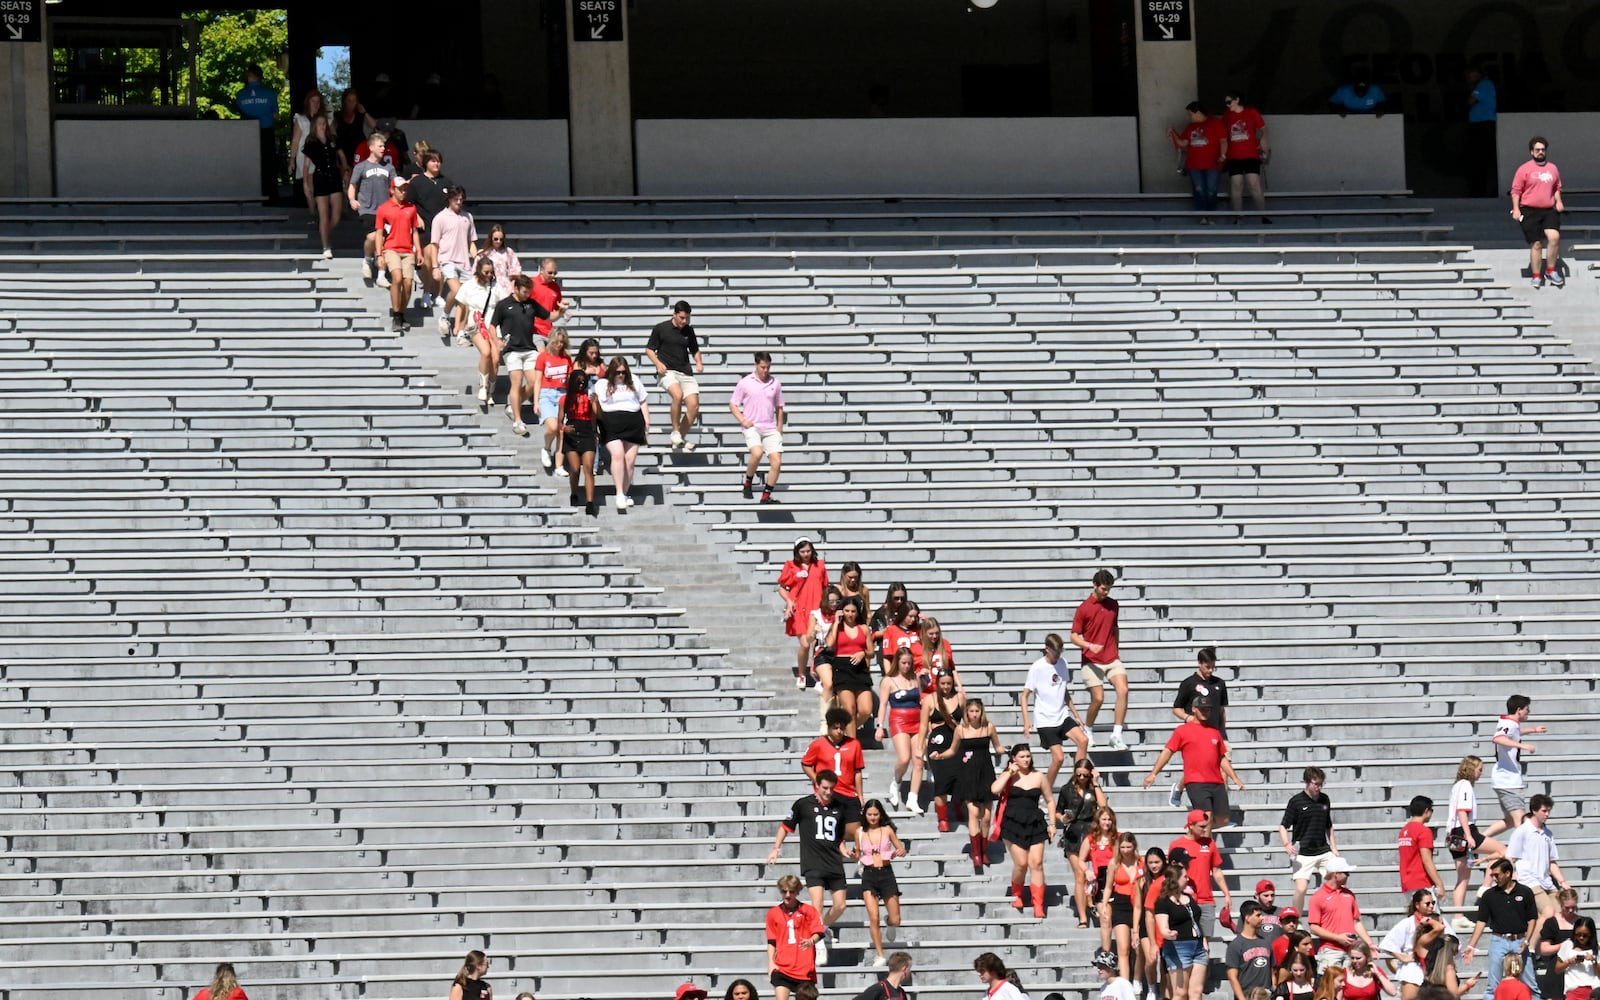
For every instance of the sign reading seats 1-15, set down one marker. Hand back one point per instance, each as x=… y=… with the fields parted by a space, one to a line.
x=593 y=20
x=19 y=21
x=1166 y=20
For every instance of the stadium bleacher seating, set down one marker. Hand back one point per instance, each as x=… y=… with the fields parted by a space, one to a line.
x=306 y=668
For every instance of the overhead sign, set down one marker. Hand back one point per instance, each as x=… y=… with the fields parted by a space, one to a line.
x=20 y=21
x=1166 y=20
x=593 y=20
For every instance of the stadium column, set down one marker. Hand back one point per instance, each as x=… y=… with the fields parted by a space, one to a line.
x=1168 y=81
x=600 y=102
x=25 y=153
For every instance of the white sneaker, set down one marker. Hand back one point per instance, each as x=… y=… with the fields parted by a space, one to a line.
x=622 y=502
x=483 y=390
x=800 y=681
x=560 y=470
x=879 y=962
x=327 y=253
x=444 y=325
x=520 y=428
x=689 y=445
x=1175 y=797
x=1116 y=743
x=545 y=460
x=1461 y=923
x=382 y=281
x=366 y=268
x=511 y=413
x=677 y=440
x=629 y=498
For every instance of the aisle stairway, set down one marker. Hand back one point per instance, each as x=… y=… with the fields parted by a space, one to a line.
x=303 y=668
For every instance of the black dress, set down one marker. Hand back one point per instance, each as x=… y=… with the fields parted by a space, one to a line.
x=941 y=737
x=325 y=181
x=1024 y=823
x=976 y=773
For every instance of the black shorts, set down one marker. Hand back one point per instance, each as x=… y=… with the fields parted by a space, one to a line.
x=1054 y=736
x=831 y=881
x=1121 y=910
x=847 y=676
x=1212 y=798
x=1236 y=168
x=849 y=808
x=579 y=440
x=880 y=882
x=779 y=979
x=1536 y=220
x=1477 y=838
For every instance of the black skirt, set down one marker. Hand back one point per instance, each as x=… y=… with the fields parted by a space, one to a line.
x=626 y=426
x=580 y=439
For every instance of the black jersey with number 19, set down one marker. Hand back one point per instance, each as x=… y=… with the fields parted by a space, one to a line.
x=821 y=830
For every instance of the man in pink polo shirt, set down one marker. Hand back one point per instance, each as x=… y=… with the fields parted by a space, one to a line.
x=1536 y=203
x=757 y=404
x=1334 y=917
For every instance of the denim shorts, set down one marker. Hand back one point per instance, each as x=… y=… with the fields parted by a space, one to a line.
x=1183 y=954
x=550 y=403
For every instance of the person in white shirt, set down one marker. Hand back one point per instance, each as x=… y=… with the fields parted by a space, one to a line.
x=1112 y=985
x=992 y=972
x=1462 y=836
x=1054 y=715
x=1399 y=946
x=1575 y=960
x=1533 y=850
x=1506 y=778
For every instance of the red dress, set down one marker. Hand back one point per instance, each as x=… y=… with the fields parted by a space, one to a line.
x=806 y=584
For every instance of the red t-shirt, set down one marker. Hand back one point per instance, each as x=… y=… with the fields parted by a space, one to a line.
x=1096 y=621
x=548 y=296
x=1280 y=950
x=1242 y=127
x=395 y=220
x=1335 y=911
x=1512 y=989
x=1203 y=858
x=1204 y=149
x=1201 y=747
x=844 y=760
x=785 y=932
x=1535 y=184
x=1415 y=838
x=554 y=368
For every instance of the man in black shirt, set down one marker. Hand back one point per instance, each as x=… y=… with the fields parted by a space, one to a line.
x=1203 y=684
x=1508 y=910
x=1307 y=833
x=427 y=191
x=892 y=986
x=512 y=322
x=671 y=347
x=820 y=821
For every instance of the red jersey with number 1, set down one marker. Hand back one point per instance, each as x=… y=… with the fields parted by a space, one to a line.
x=785 y=932
x=844 y=760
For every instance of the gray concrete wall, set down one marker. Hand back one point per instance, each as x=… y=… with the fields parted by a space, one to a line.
x=1329 y=153
x=154 y=159
x=500 y=159
x=886 y=156
x=25 y=120
x=600 y=115
x=1166 y=86
x=1574 y=141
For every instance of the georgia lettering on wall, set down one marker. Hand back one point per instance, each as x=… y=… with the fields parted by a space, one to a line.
x=1289 y=55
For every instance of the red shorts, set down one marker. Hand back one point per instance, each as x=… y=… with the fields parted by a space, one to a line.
x=904 y=720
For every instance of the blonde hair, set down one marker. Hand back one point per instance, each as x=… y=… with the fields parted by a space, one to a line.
x=557 y=335
x=1468 y=767
x=223 y=982
x=1511 y=968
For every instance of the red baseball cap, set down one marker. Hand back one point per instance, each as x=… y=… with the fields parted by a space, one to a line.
x=689 y=991
x=1265 y=885
x=1196 y=816
x=1288 y=913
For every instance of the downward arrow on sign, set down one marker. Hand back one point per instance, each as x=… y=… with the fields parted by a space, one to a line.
x=597 y=31
x=16 y=32
x=1166 y=32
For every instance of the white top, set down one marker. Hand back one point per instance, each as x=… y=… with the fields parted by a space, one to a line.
x=1401 y=941
x=302 y=166
x=480 y=302
x=622 y=398
x=1578 y=973
x=820 y=625
x=1049 y=686
x=1005 y=991
x=1117 y=989
x=1533 y=848
x=1462 y=799
x=1507 y=760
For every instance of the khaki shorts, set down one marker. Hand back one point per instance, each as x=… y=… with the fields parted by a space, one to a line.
x=770 y=442
x=1095 y=675
x=405 y=263
x=683 y=381
x=1307 y=864
x=1544 y=899
x=521 y=361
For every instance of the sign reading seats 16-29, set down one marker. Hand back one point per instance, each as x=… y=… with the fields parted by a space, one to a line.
x=19 y=21
x=593 y=20
x=1166 y=20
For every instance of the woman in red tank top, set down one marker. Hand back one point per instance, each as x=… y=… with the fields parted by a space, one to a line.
x=1363 y=980
x=1096 y=853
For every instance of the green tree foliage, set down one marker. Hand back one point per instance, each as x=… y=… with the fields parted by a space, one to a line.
x=229 y=41
x=337 y=78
